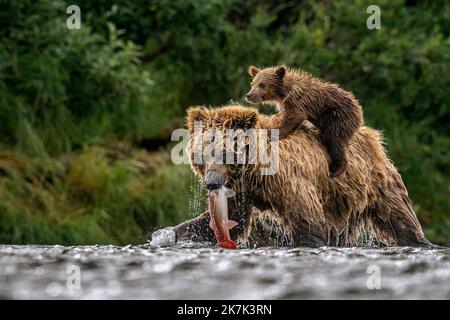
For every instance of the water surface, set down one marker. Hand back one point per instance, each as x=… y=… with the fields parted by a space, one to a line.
x=197 y=272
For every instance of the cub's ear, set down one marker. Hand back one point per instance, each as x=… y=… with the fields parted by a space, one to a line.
x=253 y=71
x=280 y=71
x=195 y=114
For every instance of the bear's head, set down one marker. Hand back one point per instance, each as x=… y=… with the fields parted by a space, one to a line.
x=219 y=138
x=267 y=84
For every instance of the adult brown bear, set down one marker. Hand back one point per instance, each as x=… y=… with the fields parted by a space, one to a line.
x=368 y=200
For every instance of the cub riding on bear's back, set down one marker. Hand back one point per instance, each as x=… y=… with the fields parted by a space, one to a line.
x=299 y=96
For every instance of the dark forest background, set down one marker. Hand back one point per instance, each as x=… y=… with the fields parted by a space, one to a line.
x=86 y=115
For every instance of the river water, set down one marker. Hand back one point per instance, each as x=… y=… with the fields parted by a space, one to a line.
x=191 y=271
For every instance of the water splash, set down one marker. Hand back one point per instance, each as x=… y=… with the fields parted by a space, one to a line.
x=195 y=198
x=191 y=192
x=163 y=237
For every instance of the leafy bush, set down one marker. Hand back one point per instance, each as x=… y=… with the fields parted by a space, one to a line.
x=61 y=89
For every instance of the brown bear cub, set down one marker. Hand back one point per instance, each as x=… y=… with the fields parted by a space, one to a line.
x=299 y=96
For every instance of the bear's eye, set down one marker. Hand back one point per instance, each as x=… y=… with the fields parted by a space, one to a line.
x=261 y=85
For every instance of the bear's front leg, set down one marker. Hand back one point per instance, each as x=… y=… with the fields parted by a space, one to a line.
x=196 y=230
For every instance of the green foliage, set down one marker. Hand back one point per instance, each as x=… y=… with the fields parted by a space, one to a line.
x=76 y=85
x=134 y=65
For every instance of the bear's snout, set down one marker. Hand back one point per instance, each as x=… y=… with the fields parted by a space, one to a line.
x=215 y=176
x=251 y=97
x=212 y=186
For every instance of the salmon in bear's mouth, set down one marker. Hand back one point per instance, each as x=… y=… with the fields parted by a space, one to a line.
x=218 y=211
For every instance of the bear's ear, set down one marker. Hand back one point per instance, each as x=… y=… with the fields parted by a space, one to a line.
x=251 y=120
x=280 y=71
x=253 y=71
x=195 y=114
x=245 y=119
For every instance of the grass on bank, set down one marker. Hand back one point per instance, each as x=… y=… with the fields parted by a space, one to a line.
x=97 y=196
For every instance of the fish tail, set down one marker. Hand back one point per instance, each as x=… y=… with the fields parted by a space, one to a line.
x=228 y=244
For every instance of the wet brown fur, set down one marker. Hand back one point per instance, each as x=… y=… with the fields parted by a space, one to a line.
x=368 y=198
x=299 y=97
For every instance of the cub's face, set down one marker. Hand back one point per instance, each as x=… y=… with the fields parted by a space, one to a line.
x=267 y=85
